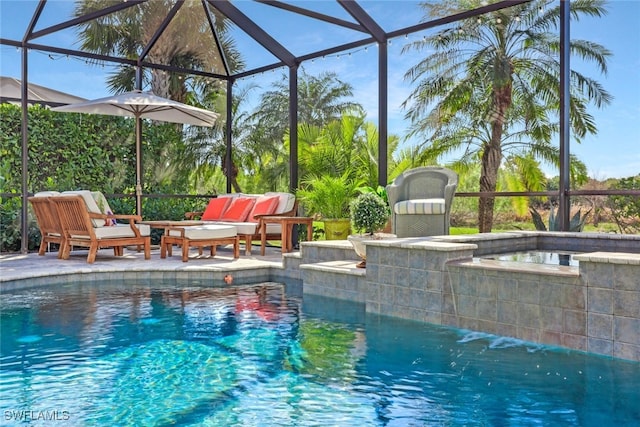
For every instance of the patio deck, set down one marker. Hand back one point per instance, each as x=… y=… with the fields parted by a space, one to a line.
x=19 y=270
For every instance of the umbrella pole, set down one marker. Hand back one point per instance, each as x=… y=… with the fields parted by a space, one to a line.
x=138 y=165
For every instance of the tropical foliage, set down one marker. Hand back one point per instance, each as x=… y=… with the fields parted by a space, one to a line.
x=489 y=88
x=328 y=196
x=67 y=151
x=576 y=223
x=626 y=209
x=73 y=151
x=186 y=43
x=486 y=91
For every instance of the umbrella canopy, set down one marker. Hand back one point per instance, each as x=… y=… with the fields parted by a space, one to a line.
x=144 y=105
x=11 y=92
x=141 y=105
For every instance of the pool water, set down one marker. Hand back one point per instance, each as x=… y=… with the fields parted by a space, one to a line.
x=126 y=354
x=539 y=257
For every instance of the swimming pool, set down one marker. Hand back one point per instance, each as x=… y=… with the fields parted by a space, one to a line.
x=107 y=354
x=539 y=257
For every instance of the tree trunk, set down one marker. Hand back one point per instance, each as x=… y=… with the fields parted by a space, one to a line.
x=492 y=158
x=234 y=175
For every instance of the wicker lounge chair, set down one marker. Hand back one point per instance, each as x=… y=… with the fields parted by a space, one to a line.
x=79 y=229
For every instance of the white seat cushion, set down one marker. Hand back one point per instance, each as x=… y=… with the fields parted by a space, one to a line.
x=274 y=229
x=241 y=227
x=420 y=207
x=251 y=227
x=202 y=232
x=120 y=230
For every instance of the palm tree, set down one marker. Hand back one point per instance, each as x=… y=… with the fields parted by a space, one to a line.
x=206 y=148
x=188 y=42
x=490 y=87
x=366 y=156
x=322 y=98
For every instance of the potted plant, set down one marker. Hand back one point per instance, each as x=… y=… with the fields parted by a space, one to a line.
x=328 y=197
x=369 y=213
x=382 y=192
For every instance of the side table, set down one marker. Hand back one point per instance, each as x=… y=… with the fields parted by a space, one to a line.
x=286 y=224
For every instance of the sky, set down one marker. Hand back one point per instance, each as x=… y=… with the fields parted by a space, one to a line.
x=613 y=153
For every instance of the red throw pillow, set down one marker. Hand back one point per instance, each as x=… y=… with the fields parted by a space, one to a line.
x=216 y=208
x=238 y=209
x=265 y=205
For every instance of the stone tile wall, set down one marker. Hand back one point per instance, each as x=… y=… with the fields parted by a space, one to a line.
x=612 y=286
x=595 y=307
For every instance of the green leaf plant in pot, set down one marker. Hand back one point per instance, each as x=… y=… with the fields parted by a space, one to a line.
x=369 y=214
x=328 y=197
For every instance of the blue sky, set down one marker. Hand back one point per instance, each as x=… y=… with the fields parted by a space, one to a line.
x=613 y=152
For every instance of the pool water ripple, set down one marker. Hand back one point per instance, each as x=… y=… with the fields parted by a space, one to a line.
x=130 y=354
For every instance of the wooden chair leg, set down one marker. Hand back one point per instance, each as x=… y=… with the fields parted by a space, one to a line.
x=93 y=251
x=236 y=248
x=65 y=250
x=147 y=249
x=163 y=248
x=247 y=244
x=185 y=250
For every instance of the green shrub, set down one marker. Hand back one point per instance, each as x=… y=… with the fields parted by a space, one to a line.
x=11 y=226
x=369 y=213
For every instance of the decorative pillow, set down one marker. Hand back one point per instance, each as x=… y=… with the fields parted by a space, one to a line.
x=102 y=203
x=238 y=209
x=216 y=208
x=264 y=206
x=285 y=203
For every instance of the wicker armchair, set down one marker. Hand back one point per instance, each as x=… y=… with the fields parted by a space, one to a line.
x=420 y=201
x=79 y=230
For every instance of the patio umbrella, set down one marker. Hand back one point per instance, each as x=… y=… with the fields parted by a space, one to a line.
x=11 y=92
x=141 y=105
